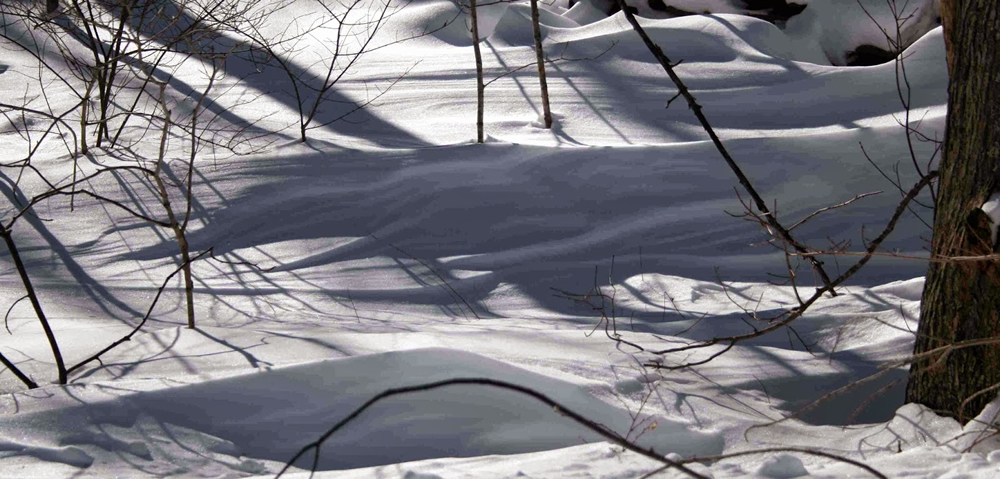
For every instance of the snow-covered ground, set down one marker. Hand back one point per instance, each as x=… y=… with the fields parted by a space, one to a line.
x=395 y=252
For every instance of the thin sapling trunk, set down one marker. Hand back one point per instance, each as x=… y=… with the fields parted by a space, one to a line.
x=540 y=58
x=176 y=226
x=29 y=289
x=480 y=85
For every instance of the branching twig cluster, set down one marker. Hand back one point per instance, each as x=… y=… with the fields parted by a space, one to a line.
x=118 y=59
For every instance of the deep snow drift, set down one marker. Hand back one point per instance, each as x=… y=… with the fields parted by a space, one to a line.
x=396 y=252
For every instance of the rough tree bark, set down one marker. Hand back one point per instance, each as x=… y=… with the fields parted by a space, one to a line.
x=961 y=300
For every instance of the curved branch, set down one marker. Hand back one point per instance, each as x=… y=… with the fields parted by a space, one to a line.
x=559 y=408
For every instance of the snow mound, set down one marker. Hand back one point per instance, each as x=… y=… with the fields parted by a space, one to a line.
x=585 y=12
x=271 y=414
x=279 y=411
x=66 y=455
x=980 y=434
x=841 y=31
x=782 y=466
x=514 y=26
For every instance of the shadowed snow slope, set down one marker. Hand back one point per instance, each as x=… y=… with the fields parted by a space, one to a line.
x=271 y=414
x=278 y=410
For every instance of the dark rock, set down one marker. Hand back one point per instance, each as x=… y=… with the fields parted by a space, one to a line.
x=868 y=55
x=659 y=6
x=615 y=9
x=774 y=11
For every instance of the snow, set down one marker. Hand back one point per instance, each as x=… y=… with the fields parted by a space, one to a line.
x=394 y=252
x=992 y=210
x=782 y=466
x=833 y=29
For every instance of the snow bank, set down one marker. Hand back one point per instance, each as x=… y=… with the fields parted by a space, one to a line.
x=271 y=414
x=840 y=29
x=278 y=411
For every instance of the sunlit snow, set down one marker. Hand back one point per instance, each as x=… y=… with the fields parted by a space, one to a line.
x=394 y=251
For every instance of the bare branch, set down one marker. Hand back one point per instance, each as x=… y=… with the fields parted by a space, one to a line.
x=599 y=429
x=682 y=89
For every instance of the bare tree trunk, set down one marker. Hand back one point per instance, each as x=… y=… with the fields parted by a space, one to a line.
x=480 y=86
x=540 y=58
x=22 y=271
x=51 y=6
x=175 y=225
x=83 y=118
x=110 y=70
x=188 y=281
x=961 y=301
